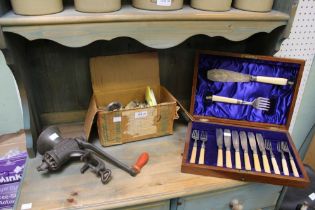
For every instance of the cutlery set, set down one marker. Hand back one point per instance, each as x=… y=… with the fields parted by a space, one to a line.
x=259 y=146
x=241 y=108
x=260 y=103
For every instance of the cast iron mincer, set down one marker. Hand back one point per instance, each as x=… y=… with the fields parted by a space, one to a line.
x=57 y=150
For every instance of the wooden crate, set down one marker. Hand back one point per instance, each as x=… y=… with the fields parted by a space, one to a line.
x=124 y=78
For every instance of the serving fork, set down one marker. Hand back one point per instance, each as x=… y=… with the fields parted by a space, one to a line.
x=259 y=103
x=283 y=160
x=275 y=166
x=195 y=137
x=286 y=149
x=203 y=138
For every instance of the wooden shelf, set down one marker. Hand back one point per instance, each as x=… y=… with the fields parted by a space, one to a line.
x=160 y=180
x=131 y=14
x=156 y=29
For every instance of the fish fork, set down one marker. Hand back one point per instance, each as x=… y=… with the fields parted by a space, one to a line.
x=259 y=103
x=203 y=138
x=283 y=160
x=285 y=148
x=275 y=166
x=195 y=137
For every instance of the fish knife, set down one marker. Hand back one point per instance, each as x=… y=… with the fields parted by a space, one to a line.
x=244 y=144
x=253 y=145
x=219 y=136
x=222 y=75
x=227 y=143
x=236 y=145
x=261 y=145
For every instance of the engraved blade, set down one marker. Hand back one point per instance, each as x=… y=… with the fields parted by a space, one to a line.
x=261 y=143
x=244 y=144
x=219 y=135
x=236 y=141
x=221 y=75
x=252 y=142
x=227 y=139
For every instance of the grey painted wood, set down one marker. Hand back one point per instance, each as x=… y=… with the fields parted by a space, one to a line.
x=164 y=205
x=15 y=60
x=60 y=77
x=170 y=33
x=254 y=196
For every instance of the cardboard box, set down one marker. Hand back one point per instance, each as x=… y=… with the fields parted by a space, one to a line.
x=124 y=78
x=208 y=116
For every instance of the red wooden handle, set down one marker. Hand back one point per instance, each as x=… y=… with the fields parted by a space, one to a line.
x=142 y=160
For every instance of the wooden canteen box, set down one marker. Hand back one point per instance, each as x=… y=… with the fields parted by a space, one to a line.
x=208 y=116
x=124 y=78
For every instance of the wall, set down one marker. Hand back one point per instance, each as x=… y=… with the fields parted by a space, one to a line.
x=301 y=45
x=10 y=109
x=305 y=119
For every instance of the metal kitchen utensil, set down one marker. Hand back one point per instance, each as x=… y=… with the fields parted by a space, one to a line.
x=219 y=136
x=275 y=166
x=244 y=144
x=236 y=145
x=203 y=138
x=227 y=143
x=285 y=148
x=114 y=106
x=253 y=145
x=283 y=160
x=195 y=137
x=261 y=145
x=259 y=103
x=222 y=75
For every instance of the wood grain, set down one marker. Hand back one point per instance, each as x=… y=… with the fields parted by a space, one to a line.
x=159 y=180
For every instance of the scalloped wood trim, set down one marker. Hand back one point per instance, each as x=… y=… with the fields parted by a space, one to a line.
x=159 y=34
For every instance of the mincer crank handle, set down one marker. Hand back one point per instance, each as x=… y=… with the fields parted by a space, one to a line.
x=131 y=170
x=271 y=80
x=294 y=169
x=248 y=167
x=285 y=167
x=266 y=164
x=220 y=158
x=257 y=163
x=238 y=160
x=202 y=156
x=275 y=165
x=228 y=159
x=142 y=161
x=193 y=154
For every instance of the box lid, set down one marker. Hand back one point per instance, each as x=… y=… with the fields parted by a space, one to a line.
x=282 y=97
x=116 y=74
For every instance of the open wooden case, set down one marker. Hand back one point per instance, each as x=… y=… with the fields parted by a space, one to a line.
x=208 y=116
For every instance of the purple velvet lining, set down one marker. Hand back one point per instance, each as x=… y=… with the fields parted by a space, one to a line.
x=280 y=96
x=211 y=150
